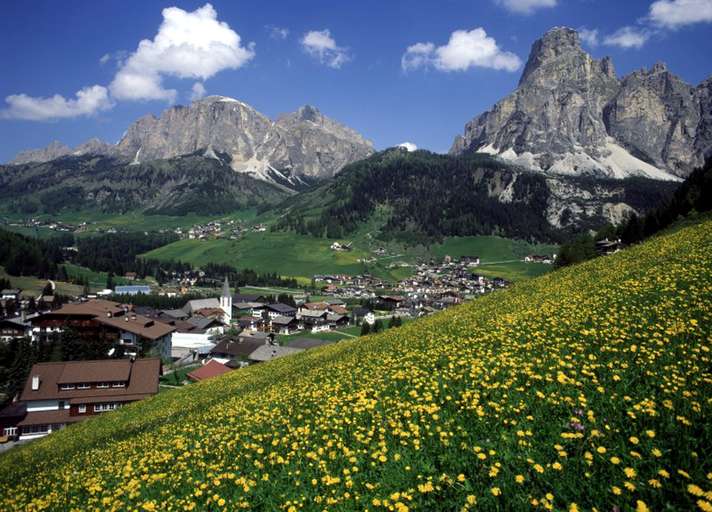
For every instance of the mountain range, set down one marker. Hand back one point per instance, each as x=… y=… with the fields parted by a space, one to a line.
x=572 y=147
x=572 y=115
x=295 y=148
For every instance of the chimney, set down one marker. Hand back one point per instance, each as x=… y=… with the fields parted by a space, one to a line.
x=35 y=382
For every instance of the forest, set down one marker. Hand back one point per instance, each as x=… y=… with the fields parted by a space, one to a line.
x=430 y=196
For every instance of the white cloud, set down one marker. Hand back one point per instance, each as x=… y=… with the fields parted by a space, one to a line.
x=105 y=58
x=627 y=37
x=464 y=50
x=320 y=45
x=677 y=13
x=187 y=45
x=408 y=146
x=89 y=101
x=589 y=36
x=277 y=32
x=198 y=91
x=526 y=6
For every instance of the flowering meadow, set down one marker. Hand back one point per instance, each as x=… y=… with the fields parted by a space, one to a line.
x=589 y=388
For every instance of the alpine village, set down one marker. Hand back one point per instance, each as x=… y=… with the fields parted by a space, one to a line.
x=234 y=310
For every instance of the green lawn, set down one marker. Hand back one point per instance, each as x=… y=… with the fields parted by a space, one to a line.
x=287 y=254
x=131 y=221
x=97 y=280
x=489 y=248
x=514 y=271
x=32 y=286
x=300 y=256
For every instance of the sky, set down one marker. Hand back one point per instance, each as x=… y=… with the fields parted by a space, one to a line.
x=396 y=71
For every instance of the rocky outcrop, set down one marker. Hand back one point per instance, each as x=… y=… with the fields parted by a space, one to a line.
x=571 y=115
x=55 y=149
x=291 y=151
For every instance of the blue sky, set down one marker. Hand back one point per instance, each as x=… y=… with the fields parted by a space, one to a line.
x=350 y=59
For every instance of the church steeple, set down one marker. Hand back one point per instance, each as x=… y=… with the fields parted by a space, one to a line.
x=226 y=301
x=226 y=288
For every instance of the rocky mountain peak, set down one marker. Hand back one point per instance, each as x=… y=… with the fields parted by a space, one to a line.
x=309 y=113
x=570 y=114
x=556 y=43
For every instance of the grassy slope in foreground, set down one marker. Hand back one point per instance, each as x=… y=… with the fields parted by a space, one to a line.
x=589 y=385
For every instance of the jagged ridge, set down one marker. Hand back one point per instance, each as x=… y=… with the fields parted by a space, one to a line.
x=572 y=115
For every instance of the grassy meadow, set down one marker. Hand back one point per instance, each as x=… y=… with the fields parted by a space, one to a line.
x=302 y=256
x=586 y=388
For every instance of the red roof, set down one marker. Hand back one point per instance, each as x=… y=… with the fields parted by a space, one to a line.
x=208 y=371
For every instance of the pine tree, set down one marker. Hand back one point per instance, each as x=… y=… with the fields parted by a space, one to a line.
x=365 y=328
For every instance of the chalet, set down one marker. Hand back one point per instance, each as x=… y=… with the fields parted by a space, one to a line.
x=11 y=294
x=57 y=394
x=389 y=302
x=285 y=325
x=279 y=309
x=134 y=333
x=607 y=246
x=209 y=370
x=335 y=321
x=208 y=325
x=361 y=315
x=14 y=328
x=239 y=348
x=315 y=320
x=268 y=352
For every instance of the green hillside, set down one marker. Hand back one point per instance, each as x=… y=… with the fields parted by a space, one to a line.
x=302 y=256
x=587 y=387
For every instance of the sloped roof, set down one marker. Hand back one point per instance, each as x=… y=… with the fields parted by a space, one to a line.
x=269 y=352
x=196 y=304
x=142 y=378
x=208 y=371
x=307 y=343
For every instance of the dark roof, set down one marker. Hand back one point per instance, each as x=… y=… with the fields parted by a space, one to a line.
x=242 y=297
x=113 y=314
x=281 y=308
x=284 y=320
x=239 y=348
x=112 y=370
x=203 y=322
x=178 y=314
x=208 y=371
x=361 y=311
x=142 y=376
x=307 y=343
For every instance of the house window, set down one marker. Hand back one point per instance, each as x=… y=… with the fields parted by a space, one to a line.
x=65 y=387
x=82 y=409
x=83 y=386
x=105 y=407
x=118 y=385
x=102 y=385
